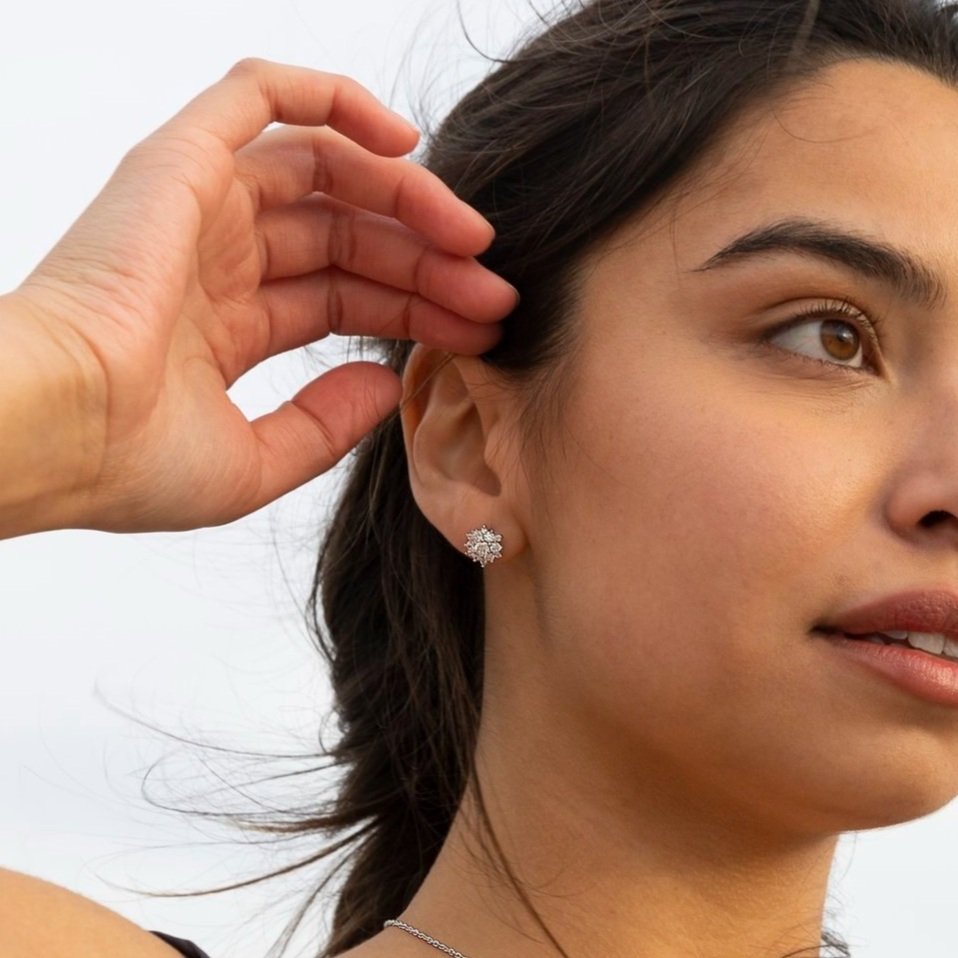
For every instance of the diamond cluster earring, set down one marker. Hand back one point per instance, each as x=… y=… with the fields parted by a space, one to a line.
x=483 y=545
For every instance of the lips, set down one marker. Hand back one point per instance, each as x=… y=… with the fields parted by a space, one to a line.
x=933 y=610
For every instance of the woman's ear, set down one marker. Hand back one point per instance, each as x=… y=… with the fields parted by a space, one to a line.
x=460 y=448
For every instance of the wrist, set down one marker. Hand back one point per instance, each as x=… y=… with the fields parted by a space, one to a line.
x=52 y=411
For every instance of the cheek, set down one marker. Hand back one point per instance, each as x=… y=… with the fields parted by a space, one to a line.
x=688 y=536
x=692 y=530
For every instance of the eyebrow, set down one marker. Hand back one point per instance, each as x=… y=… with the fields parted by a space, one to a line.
x=911 y=279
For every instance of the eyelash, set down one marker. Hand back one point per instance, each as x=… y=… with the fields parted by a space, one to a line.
x=836 y=309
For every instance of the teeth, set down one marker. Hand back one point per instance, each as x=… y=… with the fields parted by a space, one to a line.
x=932 y=642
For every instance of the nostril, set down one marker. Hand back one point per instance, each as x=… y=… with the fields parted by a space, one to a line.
x=933 y=518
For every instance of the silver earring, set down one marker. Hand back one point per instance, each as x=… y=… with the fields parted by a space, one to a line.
x=483 y=545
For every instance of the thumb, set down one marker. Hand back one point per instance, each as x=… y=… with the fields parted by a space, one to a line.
x=309 y=434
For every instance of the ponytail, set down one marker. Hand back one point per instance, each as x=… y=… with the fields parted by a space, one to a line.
x=406 y=614
x=579 y=130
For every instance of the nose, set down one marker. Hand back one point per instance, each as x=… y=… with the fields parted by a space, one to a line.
x=928 y=528
x=938 y=518
x=923 y=502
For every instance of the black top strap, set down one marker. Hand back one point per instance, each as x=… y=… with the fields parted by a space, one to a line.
x=184 y=947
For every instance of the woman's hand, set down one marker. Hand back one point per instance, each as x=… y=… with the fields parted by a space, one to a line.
x=214 y=246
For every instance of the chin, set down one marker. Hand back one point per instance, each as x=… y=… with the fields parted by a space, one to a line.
x=879 y=804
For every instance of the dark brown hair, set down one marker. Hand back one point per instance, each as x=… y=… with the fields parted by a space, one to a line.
x=582 y=127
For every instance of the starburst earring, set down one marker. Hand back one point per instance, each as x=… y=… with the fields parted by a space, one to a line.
x=483 y=545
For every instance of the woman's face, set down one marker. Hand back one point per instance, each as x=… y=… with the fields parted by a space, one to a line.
x=721 y=484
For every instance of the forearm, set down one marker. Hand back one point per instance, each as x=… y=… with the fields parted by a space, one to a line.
x=48 y=425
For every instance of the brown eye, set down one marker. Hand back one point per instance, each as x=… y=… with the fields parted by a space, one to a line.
x=841 y=339
x=823 y=335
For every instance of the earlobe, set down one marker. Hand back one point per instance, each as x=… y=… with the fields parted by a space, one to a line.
x=453 y=429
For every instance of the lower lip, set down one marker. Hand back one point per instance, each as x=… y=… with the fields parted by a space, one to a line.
x=928 y=676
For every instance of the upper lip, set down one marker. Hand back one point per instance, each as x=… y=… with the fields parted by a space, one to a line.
x=933 y=610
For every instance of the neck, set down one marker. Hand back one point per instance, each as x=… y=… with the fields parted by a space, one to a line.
x=646 y=872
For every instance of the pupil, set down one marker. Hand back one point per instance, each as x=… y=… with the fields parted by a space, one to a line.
x=843 y=337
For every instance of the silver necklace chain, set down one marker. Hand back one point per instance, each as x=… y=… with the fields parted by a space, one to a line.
x=424 y=937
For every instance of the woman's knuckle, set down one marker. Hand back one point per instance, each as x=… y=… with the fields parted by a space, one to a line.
x=424 y=270
x=247 y=66
x=341 y=241
x=265 y=253
x=335 y=305
x=407 y=314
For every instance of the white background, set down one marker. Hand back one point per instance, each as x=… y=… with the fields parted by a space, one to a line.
x=202 y=633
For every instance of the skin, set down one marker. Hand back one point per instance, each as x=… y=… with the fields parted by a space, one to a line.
x=213 y=246
x=667 y=752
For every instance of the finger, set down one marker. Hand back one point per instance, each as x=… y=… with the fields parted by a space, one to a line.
x=311 y=433
x=256 y=92
x=306 y=309
x=292 y=164
x=317 y=232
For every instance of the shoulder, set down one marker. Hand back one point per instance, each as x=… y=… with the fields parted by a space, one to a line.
x=40 y=918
